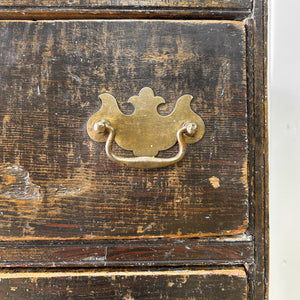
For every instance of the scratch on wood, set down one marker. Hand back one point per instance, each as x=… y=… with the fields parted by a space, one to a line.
x=141 y=230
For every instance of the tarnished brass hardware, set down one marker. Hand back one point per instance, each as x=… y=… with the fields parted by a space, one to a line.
x=146 y=162
x=145 y=132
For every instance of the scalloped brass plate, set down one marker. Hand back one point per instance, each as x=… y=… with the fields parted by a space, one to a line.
x=145 y=131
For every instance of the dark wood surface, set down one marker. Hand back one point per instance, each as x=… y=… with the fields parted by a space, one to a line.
x=258 y=147
x=65 y=13
x=211 y=284
x=127 y=253
x=46 y=162
x=246 y=4
x=57 y=183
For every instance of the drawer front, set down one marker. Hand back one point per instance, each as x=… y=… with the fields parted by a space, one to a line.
x=216 y=4
x=186 y=284
x=58 y=183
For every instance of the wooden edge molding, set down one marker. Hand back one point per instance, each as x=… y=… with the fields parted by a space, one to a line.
x=155 y=4
x=187 y=283
x=110 y=13
x=256 y=32
x=235 y=272
x=188 y=253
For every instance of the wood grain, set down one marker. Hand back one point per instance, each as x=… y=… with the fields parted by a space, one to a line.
x=65 y=13
x=128 y=253
x=57 y=183
x=47 y=220
x=258 y=156
x=245 y=4
x=175 y=284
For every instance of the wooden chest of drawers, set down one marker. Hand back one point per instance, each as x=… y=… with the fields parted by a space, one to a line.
x=73 y=223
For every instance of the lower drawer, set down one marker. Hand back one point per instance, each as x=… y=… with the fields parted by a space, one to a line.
x=206 y=284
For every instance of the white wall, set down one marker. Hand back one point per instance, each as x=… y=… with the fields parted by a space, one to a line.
x=284 y=116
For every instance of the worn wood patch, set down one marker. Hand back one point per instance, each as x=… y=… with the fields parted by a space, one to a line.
x=176 y=284
x=57 y=183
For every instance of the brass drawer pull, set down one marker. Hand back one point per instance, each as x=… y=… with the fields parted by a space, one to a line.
x=145 y=132
x=146 y=162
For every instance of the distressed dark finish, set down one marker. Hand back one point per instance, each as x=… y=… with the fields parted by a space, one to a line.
x=258 y=147
x=64 y=13
x=128 y=253
x=215 y=4
x=58 y=204
x=57 y=183
x=176 y=284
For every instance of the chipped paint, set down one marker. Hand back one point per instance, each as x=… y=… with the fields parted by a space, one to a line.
x=128 y=296
x=244 y=177
x=215 y=182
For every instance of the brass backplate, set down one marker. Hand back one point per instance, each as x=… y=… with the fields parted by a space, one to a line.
x=145 y=131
